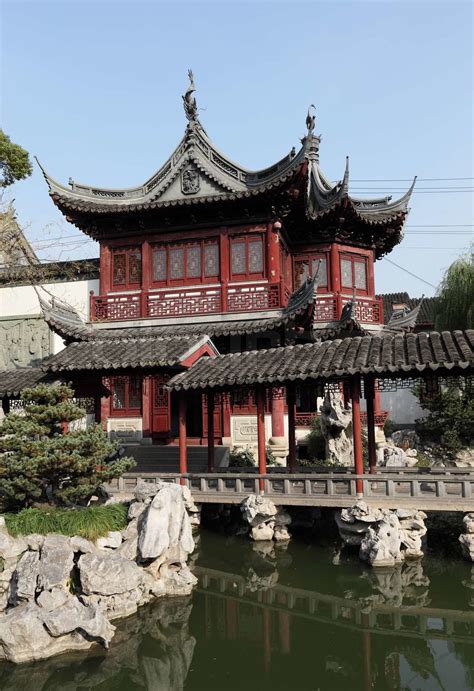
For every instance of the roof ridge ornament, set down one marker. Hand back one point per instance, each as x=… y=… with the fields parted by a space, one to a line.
x=189 y=102
x=311 y=119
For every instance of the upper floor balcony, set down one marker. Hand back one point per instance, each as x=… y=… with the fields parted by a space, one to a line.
x=248 y=298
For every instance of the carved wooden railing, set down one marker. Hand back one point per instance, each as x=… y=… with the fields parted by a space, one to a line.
x=306 y=419
x=328 y=308
x=173 y=302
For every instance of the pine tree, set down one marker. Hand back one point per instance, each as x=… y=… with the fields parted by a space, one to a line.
x=41 y=460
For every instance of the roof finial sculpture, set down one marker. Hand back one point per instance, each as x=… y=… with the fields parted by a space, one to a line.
x=189 y=102
x=311 y=119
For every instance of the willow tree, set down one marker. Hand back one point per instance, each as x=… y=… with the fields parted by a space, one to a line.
x=454 y=305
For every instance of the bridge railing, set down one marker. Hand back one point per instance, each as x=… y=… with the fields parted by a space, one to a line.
x=313 y=486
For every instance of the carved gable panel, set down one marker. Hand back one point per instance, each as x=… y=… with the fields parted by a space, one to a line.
x=24 y=341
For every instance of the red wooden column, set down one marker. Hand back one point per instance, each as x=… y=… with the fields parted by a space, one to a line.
x=369 y=390
x=262 y=449
x=291 y=404
x=357 y=432
x=274 y=255
x=210 y=431
x=278 y=411
x=183 y=457
x=146 y=405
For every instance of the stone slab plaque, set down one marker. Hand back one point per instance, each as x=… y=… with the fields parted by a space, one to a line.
x=244 y=429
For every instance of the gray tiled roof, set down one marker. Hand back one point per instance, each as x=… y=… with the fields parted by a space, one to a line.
x=14 y=381
x=122 y=353
x=400 y=354
x=425 y=315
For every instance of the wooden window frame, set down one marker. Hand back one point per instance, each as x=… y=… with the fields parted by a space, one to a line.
x=126 y=252
x=185 y=280
x=127 y=410
x=247 y=240
x=355 y=259
x=313 y=257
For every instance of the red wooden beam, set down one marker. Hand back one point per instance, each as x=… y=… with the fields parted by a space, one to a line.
x=369 y=390
x=262 y=449
x=357 y=433
x=291 y=403
x=183 y=459
x=210 y=432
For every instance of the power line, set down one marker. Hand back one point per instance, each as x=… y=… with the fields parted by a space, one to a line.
x=409 y=179
x=409 y=272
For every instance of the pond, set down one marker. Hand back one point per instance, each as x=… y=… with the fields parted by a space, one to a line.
x=300 y=616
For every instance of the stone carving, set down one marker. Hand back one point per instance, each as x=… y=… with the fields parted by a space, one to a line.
x=23 y=342
x=467 y=537
x=336 y=429
x=190 y=181
x=59 y=594
x=189 y=101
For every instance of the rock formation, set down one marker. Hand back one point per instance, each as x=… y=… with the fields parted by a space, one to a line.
x=266 y=521
x=59 y=594
x=336 y=429
x=385 y=537
x=467 y=537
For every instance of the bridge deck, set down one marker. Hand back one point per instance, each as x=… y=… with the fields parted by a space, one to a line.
x=443 y=492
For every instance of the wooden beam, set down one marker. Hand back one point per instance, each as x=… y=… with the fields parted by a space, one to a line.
x=183 y=458
x=262 y=449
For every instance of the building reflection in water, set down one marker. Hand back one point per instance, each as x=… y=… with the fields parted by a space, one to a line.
x=381 y=632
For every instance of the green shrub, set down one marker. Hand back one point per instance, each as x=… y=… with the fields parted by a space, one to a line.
x=388 y=428
x=41 y=461
x=450 y=421
x=423 y=461
x=89 y=522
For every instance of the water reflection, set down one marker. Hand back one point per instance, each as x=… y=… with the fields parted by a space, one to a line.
x=273 y=616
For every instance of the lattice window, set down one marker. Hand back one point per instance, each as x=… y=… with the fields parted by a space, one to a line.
x=126 y=268
x=255 y=256
x=211 y=260
x=126 y=398
x=354 y=272
x=160 y=273
x=307 y=266
x=346 y=273
x=187 y=263
x=246 y=257
x=193 y=262
x=238 y=258
x=177 y=263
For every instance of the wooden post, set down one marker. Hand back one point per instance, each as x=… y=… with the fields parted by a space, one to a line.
x=291 y=403
x=183 y=460
x=262 y=449
x=210 y=431
x=6 y=405
x=277 y=409
x=147 y=395
x=357 y=433
x=370 y=399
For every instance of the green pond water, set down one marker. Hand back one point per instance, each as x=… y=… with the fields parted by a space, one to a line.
x=298 y=617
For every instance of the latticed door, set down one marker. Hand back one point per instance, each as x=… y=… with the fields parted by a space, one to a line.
x=161 y=409
x=217 y=417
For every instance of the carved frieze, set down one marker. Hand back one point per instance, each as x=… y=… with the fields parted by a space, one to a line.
x=190 y=181
x=24 y=341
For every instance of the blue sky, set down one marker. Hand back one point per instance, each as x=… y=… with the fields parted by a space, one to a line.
x=94 y=90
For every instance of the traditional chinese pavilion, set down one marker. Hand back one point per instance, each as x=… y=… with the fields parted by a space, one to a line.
x=207 y=258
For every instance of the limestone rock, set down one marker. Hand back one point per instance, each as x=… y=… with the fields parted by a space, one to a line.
x=406 y=439
x=119 y=605
x=165 y=523
x=464 y=458
x=73 y=615
x=112 y=540
x=381 y=545
x=35 y=542
x=107 y=574
x=80 y=544
x=11 y=547
x=24 y=638
x=467 y=538
x=263 y=531
x=396 y=457
x=129 y=548
x=145 y=491
x=57 y=560
x=49 y=600
x=257 y=509
x=468 y=523
x=136 y=509
x=336 y=429
x=24 y=578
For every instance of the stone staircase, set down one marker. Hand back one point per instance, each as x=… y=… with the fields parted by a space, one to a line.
x=165 y=459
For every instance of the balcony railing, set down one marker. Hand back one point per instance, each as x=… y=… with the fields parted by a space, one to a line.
x=306 y=419
x=177 y=302
x=328 y=308
x=247 y=297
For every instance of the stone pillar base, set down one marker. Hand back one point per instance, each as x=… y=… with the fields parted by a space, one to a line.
x=279 y=448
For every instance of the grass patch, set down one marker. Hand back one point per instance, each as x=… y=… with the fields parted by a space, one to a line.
x=90 y=522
